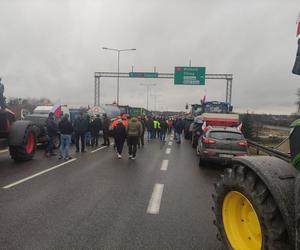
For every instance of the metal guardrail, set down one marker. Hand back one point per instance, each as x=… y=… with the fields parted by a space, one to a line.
x=269 y=151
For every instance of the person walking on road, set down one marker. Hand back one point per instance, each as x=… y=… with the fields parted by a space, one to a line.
x=163 y=129
x=106 y=124
x=96 y=126
x=80 y=128
x=66 y=130
x=179 y=125
x=156 y=128
x=150 y=128
x=134 y=131
x=119 y=133
x=52 y=131
x=143 y=122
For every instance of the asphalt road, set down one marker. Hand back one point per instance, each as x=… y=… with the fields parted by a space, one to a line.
x=161 y=200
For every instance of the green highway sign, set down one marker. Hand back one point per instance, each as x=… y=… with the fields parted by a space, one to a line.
x=189 y=75
x=143 y=74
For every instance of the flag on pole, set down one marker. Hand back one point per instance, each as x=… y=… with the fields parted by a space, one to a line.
x=240 y=126
x=204 y=97
x=298 y=26
x=56 y=110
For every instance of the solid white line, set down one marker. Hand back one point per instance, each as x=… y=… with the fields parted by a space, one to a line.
x=4 y=151
x=98 y=149
x=164 y=165
x=170 y=143
x=168 y=151
x=37 y=174
x=154 y=203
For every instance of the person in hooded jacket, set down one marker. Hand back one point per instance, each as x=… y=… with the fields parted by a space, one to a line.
x=134 y=131
x=52 y=131
x=106 y=124
x=66 y=129
x=96 y=126
x=80 y=128
x=119 y=133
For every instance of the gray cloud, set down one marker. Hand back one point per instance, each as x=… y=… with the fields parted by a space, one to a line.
x=52 y=48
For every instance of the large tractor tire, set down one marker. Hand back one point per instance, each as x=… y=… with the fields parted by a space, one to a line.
x=248 y=215
x=25 y=151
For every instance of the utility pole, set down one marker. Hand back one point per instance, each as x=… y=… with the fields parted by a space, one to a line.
x=148 y=85
x=155 y=99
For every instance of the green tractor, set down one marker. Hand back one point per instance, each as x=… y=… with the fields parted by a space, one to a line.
x=18 y=136
x=257 y=200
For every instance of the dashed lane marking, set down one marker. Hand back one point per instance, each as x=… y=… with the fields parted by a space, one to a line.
x=3 y=151
x=168 y=151
x=98 y=149
x=164 y=165
x=37 y=174
x=154 y=203
x=170 y=143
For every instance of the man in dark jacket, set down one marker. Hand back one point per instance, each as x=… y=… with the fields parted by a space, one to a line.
x=143 y=122
x=66 y=130
x=134 y=131
x=80 y=128
x=106 y=124
x=163 y=129
x=150 y=128
x=179 y=126
x=119 y=133
x=96 y=126
x=52 y=131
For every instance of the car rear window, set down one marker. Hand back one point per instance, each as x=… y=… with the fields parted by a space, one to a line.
x=225 y=135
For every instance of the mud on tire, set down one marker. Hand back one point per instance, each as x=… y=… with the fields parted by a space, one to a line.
x=26 y=150
x=244 y=180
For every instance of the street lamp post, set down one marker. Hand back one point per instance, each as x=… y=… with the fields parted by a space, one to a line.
x=148 y=88
x=118 y=78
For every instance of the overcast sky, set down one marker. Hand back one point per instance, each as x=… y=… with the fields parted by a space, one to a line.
x=51 y=48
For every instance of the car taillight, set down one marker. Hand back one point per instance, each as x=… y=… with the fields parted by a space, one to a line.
x=206 y=140
x=243 y=143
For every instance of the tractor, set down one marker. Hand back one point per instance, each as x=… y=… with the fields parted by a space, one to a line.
x=18 y=136
x=257 y=200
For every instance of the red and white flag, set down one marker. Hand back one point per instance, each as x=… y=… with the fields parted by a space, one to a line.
x=298 y=25
x=240 y=126
x=204 y=127
x=56 y=110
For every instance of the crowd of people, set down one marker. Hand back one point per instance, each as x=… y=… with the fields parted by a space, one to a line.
x=85 y=131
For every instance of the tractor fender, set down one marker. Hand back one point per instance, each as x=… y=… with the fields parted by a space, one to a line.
x=17 y=132
x=279 y=176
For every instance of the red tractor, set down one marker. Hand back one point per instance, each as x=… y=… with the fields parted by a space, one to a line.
x=18 y=136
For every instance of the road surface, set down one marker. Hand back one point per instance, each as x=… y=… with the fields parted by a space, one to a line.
x=161 y=200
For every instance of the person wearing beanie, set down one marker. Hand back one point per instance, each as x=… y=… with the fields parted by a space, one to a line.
x=119 y=133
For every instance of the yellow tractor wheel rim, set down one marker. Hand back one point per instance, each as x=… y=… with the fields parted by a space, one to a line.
x=241 y=223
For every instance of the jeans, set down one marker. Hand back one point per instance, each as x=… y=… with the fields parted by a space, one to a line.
x=162 y=135
x=65 y=141
x=178 y=137
x=119 y=142
x=132 y=142
x=49 y=148
x=149 y=135
x=88 y=138
x=80 y=136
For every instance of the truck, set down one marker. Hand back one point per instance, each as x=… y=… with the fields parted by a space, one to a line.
x=257 y=199
x=18 y=136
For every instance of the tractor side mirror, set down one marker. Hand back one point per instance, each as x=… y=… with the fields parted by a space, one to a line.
x=296 y=68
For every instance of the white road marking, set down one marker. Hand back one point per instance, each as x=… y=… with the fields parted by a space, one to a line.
x=164 y=165
x=37 y=174
x=168 y=151
x=154 y=203
x=98 y=149
x=4 y=151
x=170 y=143
x=171 y=139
